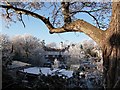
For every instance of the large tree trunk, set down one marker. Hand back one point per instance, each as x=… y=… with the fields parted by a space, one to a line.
x=111 y=50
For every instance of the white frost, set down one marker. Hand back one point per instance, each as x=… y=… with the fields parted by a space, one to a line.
x=46 y=71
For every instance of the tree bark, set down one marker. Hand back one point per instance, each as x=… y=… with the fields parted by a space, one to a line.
x=111 y=50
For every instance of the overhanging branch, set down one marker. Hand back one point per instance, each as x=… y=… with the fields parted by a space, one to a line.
x=81 y=26
x=26 y=12
x=77 y=26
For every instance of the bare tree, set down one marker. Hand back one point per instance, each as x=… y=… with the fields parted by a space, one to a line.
x=7 y=50
x=25 y=46
x=65 y=11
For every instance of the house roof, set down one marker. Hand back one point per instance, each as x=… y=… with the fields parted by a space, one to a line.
x=55 y=49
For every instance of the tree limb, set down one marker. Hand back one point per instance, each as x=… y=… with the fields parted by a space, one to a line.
x=82 y=26
x=26 y=12
x=89 y=14
x=77 y=26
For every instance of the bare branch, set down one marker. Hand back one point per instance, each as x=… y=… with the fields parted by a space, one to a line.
x=21 y=19
x=98 y=9
x=89 y=14
x=76 y=26
x=55 y=15
x=7 y=13
x=117 y=83
x=26 y=12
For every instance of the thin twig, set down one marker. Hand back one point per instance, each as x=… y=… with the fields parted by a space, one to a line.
x=9 y=85
x=21 y=19
x=117 y=82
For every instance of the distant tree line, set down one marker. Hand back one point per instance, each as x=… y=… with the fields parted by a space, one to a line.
x=25 y=48
x=29 y=49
